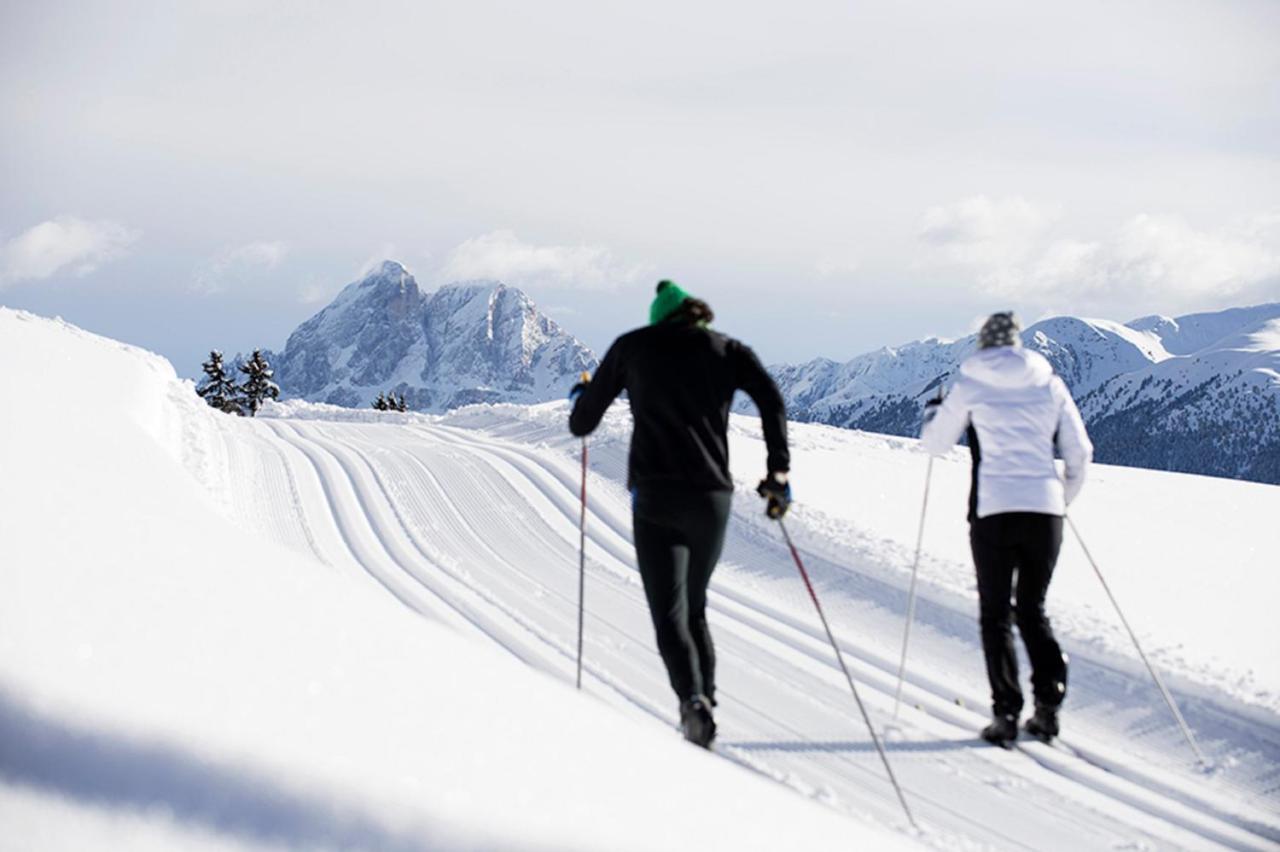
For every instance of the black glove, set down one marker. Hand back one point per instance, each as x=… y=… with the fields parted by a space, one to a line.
x=777 y=491
x=931 y=408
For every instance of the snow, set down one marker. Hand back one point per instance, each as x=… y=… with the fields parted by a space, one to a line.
x=165 y=682
x=333 y=628
x=1247 y=358
x=1194 y=332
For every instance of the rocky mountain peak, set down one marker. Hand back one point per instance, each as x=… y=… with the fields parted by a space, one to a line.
x=468 y=341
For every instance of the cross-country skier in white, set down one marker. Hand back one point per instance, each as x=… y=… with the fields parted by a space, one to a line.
x=1016 y=412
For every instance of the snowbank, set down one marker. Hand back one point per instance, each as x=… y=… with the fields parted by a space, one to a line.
x=169 y=680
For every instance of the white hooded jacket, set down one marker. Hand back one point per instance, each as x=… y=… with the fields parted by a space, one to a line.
x=1015 y=411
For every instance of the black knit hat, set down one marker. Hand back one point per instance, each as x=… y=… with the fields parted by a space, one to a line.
x=1000 y=329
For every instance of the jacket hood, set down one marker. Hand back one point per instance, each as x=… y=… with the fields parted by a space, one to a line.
x=1008 y=367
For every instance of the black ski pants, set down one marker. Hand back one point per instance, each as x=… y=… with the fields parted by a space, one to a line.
x=679 y=536
x=1021 y=548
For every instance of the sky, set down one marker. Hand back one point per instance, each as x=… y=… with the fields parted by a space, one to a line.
x=831 y=177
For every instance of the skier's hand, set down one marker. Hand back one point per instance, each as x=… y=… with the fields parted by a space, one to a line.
x=931 y=406
x=931 y=409
x=775 y=489
x=580 y=388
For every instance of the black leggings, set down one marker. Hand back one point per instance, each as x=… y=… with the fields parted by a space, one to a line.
x=679 y=536
x=1024 y=544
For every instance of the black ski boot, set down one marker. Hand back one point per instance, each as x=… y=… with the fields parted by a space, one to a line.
x=1002 y=731
x=696 y=721
x=1044 y=724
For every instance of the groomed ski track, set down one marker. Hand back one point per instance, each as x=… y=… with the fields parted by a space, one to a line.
x=481 y=533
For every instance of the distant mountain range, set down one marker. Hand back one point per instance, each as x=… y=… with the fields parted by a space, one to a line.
x=476 y=341
x=1197 y=393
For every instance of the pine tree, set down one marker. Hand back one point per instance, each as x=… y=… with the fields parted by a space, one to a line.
x=258 y=385
x=217 y=388
x=381 y=402
x=402 y=404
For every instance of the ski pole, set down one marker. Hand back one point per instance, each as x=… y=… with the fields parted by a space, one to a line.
x=911 y=594
x=804 y=575
x=1164 y=690
x=582 y=558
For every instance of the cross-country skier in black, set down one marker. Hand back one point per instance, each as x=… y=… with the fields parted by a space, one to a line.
x=680 y=377
x=1015 y=412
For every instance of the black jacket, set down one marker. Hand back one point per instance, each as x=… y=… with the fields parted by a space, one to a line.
x=680 y=379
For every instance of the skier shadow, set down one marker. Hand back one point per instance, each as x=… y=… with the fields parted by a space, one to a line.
x=834 y=746
x=120 y=772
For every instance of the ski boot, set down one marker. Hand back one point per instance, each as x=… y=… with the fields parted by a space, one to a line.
x=1044 y=724
x=696 y=721
x=1002 y=731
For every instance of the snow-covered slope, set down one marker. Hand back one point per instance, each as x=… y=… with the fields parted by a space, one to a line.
x=1215 y=410
x=882 y=391
x=220 y=632
x=206 y=643
x=1189 y=334
x=1088 y=352
x=469 y=342
x=1206 y=404
x=878 y=392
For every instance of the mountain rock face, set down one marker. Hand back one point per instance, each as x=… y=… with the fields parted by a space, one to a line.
x=470 y=342
x=1197 y=394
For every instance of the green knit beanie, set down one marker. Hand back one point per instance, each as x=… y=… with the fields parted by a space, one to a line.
x=669 y=299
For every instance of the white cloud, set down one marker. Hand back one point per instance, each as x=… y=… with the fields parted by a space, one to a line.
x=65 y=243
x=502 y=255
x=236 y=265
x=1005 y=247
x=993 y=234
x=1164 y=255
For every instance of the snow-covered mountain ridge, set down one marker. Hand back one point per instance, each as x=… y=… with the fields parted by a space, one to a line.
x=468 y=342
x=1196 y=394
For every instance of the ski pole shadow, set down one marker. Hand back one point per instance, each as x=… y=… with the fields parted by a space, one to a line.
x=118 y=772
x=838 y=746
